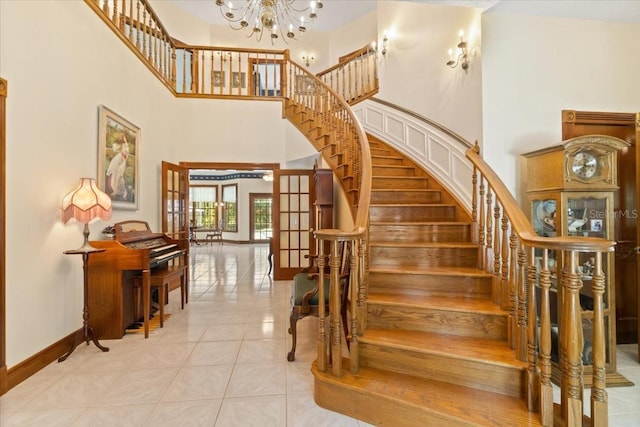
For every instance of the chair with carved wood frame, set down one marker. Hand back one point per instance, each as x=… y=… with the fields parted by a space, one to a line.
x=304 y=295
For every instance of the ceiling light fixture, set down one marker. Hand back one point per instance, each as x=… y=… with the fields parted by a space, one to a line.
x=270 y=18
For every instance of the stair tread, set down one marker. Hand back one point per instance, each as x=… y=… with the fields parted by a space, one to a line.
x=398 y=177
x=443 y=303
x=423 y=190
x=438 y=223
x=423 y=245
x=442 y=271
x=454 y=402
x=404 y=205
x=459 y=347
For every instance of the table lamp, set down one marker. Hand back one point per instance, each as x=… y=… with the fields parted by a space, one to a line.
x=86 y=204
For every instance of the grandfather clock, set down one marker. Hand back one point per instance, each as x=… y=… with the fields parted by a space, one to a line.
x=570 y=191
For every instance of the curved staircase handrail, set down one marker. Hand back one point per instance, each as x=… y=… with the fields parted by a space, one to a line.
x=419 y=138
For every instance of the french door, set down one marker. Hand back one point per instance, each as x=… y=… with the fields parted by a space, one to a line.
x=175 y=201
x=293 y=219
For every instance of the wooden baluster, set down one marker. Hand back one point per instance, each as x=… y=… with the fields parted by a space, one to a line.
x=173 y=69
x=512 y=279
x=488 y=247
x=546 y=389
x=521 y=338
x=354 y=280
x=144 y=33
x=105 y=7
x=533 y=380
x=212 y=69
x=138 y=41
x=571 y=342
x=114 y=17
x=496 y=244
x=335 y=321
x=502 y=295
x=481 y=219
x=131 y=21
x=599 y=399
x=363 y=254
x=474 y=206
x=123 y=15
x=322 y=333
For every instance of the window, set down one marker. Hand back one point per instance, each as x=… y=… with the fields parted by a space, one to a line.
x=204 y=207
x=230 y=212
x=261 y=216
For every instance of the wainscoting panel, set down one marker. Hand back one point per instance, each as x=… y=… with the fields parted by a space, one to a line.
x=429 y=144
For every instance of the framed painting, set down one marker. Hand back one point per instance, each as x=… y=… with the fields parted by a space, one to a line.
x=238 y=79
x=218 y=79
x=118 y=159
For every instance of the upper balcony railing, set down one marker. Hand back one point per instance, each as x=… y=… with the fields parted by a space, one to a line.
x=220 y=72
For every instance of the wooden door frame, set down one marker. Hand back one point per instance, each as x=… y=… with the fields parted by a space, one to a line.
x=231 y=166
x=4 y=382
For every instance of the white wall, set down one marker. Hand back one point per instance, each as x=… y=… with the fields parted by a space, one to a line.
x=534 y=67
x=58 y=76
x=414 y=74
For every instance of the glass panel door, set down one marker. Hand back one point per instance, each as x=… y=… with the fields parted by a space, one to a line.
x=293 y=216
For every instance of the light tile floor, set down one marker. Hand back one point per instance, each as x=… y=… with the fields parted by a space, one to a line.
x=219 y=362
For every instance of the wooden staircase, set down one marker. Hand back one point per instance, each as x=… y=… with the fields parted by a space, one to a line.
x=435 y=348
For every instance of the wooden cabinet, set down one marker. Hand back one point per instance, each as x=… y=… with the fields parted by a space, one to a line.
x=323 y=198
x=570 y=193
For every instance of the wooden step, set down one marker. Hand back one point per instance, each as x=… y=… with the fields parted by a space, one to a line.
x=385 y=398
x=381 y=151
x=412 y=212
x=393 y=170
x=387 y=160
x=419 y=195
x=414 y=232
x=423 y=255
x=399 y=183
x=468 y=317
x=467 y=361
x=452 y=282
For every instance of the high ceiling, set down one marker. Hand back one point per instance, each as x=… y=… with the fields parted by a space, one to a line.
x=338 y=12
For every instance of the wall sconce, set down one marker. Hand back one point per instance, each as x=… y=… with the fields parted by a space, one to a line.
x=308 y=59
x=383 y=44
x=463 y=56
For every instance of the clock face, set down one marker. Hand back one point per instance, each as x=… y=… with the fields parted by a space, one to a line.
x=585 y=164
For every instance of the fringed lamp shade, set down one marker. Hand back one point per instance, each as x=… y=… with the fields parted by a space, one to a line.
x=85 y=204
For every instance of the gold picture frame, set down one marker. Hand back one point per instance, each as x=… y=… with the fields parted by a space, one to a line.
x=118 y=156
x=218 y=79
x=238 y=79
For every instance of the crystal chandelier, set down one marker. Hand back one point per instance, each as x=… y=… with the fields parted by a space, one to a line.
x=270 y=18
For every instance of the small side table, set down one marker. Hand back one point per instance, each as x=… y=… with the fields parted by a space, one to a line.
x=87 y=332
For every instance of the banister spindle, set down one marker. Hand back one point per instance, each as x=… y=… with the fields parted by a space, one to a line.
x=354 y=280
x=488 y=247
x=502 y=296
x=496 y=242
x=474 y=205
x=521 y=337
x=546 y=389
x=481 y=219
x=599 y=399
x=533 y=380
x=335 y=321
x=571 y=342
x=322 y=333
x=512 y=285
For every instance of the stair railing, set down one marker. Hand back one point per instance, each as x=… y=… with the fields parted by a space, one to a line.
x=355 y=76
x=236 y=73
x=325 y=117
x=509 y=246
